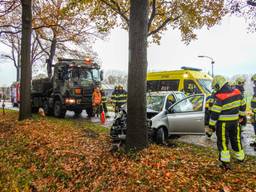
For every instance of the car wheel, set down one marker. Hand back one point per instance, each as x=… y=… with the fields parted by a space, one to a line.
x=160 y=136
x=58 y=109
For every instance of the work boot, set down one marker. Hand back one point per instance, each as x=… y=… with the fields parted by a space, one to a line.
x=225 y=166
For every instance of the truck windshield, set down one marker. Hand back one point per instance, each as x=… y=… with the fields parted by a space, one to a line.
x=84 y=74
x=206 y=84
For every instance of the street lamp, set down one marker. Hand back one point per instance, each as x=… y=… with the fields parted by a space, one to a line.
x=212 y=61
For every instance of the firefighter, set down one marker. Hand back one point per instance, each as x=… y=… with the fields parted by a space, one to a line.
x=96 y=100
x=239 y=84
x=114 y=98
x=253 y=107
x=121 y=96
x=104 y=102
x=208 y=106
x=226 y=113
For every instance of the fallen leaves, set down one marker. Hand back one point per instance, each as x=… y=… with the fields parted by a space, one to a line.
x=69 y=155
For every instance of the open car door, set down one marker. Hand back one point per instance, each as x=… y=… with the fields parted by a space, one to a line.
x=187 y=116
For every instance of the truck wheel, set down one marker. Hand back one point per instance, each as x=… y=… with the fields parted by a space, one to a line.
x=58 y=109
x=34 y=110
x=160 y=136
x=47 y=109
x=78 y=112
x=89 y=112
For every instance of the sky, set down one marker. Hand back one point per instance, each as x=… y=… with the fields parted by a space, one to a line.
x=228 y=43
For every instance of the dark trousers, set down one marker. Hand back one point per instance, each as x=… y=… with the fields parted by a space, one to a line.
x=229 y=131
x=254 y=123
x=104 y=105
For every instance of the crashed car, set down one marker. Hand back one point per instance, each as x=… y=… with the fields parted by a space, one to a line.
x=157 y=103
x=185 y=117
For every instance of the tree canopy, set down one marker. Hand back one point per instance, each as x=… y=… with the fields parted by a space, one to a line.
x=187 y=16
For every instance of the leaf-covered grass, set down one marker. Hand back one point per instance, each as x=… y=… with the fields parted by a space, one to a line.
x=48 y=154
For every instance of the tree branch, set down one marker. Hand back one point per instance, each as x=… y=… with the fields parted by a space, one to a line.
x=117 y=10
x=153 y=13
x=166 y=22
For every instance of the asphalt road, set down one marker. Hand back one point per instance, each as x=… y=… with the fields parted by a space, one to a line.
x=247 y=134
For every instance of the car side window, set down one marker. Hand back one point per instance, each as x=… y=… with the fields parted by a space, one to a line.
x=190 y=104
x=170 y=101
x=190 y=87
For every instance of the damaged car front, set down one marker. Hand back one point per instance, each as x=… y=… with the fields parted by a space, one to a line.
x=157 y=103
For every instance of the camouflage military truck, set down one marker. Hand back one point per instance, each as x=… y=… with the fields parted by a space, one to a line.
x=70 y=88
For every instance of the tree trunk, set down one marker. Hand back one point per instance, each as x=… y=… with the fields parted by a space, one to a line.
x=18 y=73
x=25 y=83
x=52 y=54
x=137 y=133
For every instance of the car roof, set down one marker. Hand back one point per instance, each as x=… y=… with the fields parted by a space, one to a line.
x=163 y=93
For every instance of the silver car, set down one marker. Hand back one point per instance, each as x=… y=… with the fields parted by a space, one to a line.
x=185 y=116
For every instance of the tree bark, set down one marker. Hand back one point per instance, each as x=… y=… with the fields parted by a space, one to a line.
x=137 y=133
x=51 y=56
x=25 y=83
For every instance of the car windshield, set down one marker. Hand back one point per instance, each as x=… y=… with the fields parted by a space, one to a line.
x=206 y=85
x=155 y=103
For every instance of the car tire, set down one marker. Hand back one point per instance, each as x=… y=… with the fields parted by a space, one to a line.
x=58 y=109
x=160 y=136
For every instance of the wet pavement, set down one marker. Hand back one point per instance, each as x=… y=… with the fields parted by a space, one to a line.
x=200 y=140
x=247 y=138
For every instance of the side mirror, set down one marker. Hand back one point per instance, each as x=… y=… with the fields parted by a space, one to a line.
x=101 y=75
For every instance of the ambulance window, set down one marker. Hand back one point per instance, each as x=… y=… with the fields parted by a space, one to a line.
x=190 y=87
x=164 y=85
x=169 y=85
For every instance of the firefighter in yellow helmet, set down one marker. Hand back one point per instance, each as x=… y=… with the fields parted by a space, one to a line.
x=114 y=98
x=239 y=84
x=227 y=110
x=121 y=97
x=253 y=107
x=208 y=106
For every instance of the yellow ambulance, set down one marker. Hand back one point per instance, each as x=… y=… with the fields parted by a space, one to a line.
x=189 y=80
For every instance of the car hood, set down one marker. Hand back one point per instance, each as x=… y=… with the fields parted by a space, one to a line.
x=150 y=113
